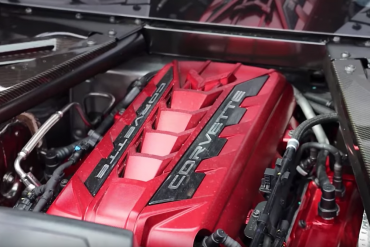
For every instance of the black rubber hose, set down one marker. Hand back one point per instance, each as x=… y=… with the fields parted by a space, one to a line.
x=320 y=100
x=309 y=123
x=63 y=152
x=219 y=237
x=321 y=168
x=333 y=150
x=267 y=241
x=338 y=169
x=50 y=186
x=320 y=109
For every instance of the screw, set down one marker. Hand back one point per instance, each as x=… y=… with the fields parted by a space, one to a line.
x=282 y=202
x=121 y=111
x=350 y=68
x=290 y=133
x=16 y=133
x=302 y=224
x=78 y=16
x=137 y=7
x=88 y=81
x=336 y=39
x=367 y=43
x=112 y=33
x=346 y=54
x=91 y=42
x=28 y=10
x=357 y=26
x=8 y=178
x=256 y=213
x=138 y=22
x=112 y=19
x=64 y=182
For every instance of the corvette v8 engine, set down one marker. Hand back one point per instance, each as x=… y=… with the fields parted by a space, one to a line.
x=186 y=157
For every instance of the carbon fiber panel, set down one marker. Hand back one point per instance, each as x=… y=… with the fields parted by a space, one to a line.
x=356 y=92
x=350 y=89
x=41 y=76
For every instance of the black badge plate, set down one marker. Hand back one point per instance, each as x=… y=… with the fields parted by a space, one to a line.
x=105 y=166
x=183 y=181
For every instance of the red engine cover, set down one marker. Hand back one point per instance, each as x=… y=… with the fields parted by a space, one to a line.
x=186 y=157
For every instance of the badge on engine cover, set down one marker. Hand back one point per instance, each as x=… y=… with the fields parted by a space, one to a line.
x=101 y=172
x=183 y=181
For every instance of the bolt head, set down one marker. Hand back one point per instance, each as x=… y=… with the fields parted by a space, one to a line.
x=112 y=33
x=16 y=133
x=356 y=26
x=256 y=213
x=112 y=19
x=90 y=42
x=28 y=10
x=302 y=224
x=350 y=68
x=136 y=7
x=8 y=178
x=78 y=16
x=336 y=39
x=64 y=182
x=345 y=54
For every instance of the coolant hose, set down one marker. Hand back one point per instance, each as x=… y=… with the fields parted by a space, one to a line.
x=310 y=123
x=320 y=109
x=309 y=113
x=320 y=100
x=333 y=150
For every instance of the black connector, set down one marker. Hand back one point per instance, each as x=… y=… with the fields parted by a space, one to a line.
x=328 y=208
x=26 y=201
x=219 y=237
x=51 y=162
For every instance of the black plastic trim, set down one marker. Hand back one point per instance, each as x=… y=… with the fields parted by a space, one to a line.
x=22 y=228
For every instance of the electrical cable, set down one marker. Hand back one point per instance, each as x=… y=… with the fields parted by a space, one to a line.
x=286 y=164
x=50 y=185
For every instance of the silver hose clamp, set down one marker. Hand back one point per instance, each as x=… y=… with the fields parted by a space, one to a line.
x=293 y=143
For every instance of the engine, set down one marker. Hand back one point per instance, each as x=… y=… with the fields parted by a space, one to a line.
x=188 y=153
x=196 y=154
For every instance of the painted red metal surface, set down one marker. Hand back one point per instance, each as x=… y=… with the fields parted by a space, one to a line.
x=232 y=179
x=343 y=231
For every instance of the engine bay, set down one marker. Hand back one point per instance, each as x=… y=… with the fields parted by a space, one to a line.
x=170 y=150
